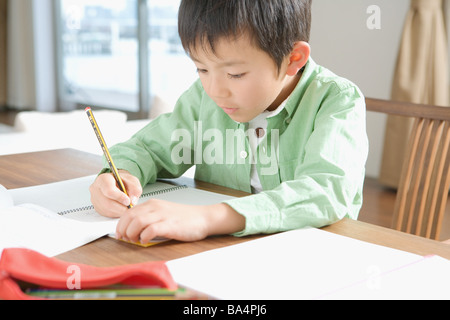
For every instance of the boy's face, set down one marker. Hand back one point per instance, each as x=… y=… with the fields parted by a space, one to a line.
x=242 y=79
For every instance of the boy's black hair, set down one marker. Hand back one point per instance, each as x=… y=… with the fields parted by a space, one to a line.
x=273 y=25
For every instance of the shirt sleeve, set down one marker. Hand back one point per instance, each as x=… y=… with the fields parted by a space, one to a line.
x=328 y=181
x=149 y=154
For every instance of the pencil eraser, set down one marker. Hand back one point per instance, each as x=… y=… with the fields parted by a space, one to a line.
x=88 y=108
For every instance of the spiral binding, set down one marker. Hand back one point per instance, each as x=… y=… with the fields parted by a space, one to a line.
x=86 y=208
x=166 y=190
x=144 y=195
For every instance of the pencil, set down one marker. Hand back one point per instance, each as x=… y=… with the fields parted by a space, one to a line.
x=106 y=151
x=114 y=292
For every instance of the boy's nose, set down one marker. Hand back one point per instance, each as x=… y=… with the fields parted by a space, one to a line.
x=217 y=89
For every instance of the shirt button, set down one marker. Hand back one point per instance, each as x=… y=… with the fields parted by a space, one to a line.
x=244 y=154
x=260 y=132
x=288 y=120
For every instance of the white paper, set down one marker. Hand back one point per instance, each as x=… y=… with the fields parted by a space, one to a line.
x=36 y=228
x=425 y=279
x=33 y=221
x=6 y=200
x=299 y=264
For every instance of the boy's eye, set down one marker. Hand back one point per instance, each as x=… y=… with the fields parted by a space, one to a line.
x=202 y=71
x=236 y=76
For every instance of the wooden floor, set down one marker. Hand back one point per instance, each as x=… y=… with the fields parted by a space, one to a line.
x=378 y=200
x=379 y=204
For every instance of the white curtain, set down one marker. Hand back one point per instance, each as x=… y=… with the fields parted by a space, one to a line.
x=31 y=59
x=421 y=76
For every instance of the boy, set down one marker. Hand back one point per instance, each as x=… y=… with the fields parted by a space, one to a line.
x=270 y=122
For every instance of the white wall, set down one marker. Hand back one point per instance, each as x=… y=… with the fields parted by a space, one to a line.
x=342 y=42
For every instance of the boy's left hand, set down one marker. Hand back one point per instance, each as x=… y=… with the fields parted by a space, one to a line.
x=158 y=218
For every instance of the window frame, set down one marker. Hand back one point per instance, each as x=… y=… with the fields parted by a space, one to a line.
x=143 y=70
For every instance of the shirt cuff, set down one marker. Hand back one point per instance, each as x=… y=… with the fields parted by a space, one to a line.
x=261 y=215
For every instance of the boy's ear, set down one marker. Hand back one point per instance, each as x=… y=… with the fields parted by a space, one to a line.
x=298 y=58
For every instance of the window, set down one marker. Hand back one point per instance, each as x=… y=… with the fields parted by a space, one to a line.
x=120 y=54
x=171 y=71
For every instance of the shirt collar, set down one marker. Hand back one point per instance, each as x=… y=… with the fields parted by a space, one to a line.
x=292 y=102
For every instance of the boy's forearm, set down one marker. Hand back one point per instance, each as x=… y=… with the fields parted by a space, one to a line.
x=222 y=219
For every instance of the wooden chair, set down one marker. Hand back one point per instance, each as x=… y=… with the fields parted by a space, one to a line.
x=425 y=178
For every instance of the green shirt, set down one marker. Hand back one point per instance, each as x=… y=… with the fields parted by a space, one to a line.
x=311 y=162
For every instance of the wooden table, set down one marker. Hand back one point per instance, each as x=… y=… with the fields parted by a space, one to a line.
x=31 y=169
x=23 y=170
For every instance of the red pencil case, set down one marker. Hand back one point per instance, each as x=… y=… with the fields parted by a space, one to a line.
x=27 y=266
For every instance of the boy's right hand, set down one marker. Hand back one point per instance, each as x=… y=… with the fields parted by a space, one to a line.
x=108 y=199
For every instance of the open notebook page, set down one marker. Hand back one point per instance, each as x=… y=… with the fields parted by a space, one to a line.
x=39 y=229
x=71 y=198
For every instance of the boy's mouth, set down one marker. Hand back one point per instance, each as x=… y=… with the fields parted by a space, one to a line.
x=228 y=110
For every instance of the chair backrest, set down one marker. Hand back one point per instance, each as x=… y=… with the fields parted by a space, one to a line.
x=425 y=178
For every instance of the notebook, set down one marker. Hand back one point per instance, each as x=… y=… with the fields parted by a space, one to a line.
x=58 y=217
